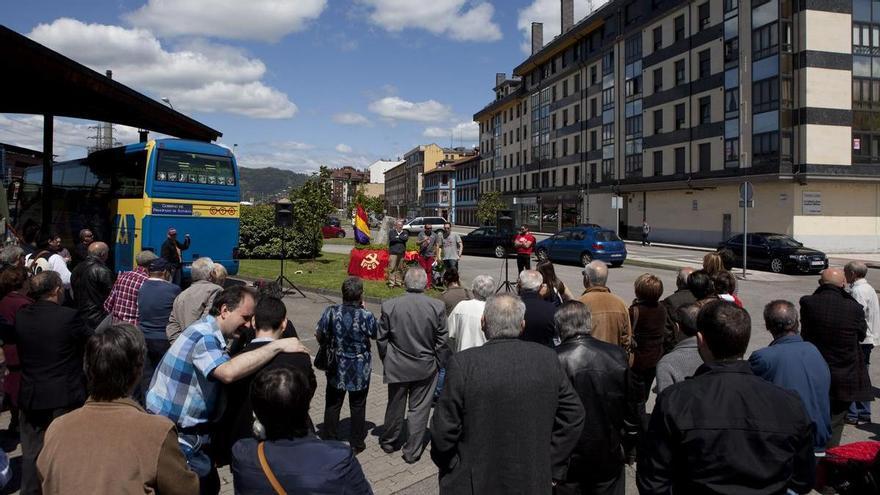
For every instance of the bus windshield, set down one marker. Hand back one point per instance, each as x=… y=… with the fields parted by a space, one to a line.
x=194 y=168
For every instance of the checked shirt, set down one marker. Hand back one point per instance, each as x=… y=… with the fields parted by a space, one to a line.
x=351 y=327
x=122 y=303
x=182 y=389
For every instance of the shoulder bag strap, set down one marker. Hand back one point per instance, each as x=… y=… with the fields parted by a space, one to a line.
x=276 y=485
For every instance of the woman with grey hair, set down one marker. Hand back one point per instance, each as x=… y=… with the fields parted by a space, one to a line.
x=465 y=321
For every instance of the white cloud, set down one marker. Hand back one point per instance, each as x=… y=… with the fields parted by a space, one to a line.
x=198 y=76
x=72 y=138
x=296 y=156
x=396 y=108
x=547 y=11
x=465 y=132
x=265 y=20
x=343 y=148
x=351 y=118
x=460 y=20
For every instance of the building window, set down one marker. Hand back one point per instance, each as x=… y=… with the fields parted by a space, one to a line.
x=765 y=41
x=633 y=125
x=679 y=72
x=607 y=98
x=703 y=13
x=658 y=38
x=658 y=121
x=705 y=109
x=679 y=116
x=594 y=112
x=594 y=142
x=565 y=117
x=730 y=5
x=658 y=80
x=679 y=28
x=593 y=172
x=577 y=143
x=658 y=163
x=565 y=89
x=593 y=75
x=577 y=113
x=765 y=147
x=731 y=50
x=705 y=157
x=577 y=83
x=565 y=147
x=607 y=170
x=765 y=95
x=607 y=133
x=731 y=153
x=705 y=64
x=679 y=161
x=633 y=165
x=608 y=63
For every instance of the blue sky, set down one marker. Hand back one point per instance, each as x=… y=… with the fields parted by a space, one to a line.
x=295 y=83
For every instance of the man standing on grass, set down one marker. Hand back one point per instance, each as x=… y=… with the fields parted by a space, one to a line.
x=451 y=247
x=396 y=252
x=429 y=243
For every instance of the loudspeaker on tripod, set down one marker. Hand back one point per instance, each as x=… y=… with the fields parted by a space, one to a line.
x=504 y=221
x=283 y=214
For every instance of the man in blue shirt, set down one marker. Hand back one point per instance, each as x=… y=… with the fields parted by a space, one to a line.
x=795 y=365
x=187 y=384
x=155 y=300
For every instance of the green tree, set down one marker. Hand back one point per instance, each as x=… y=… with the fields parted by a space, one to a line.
x=372 y=204
x=488 y=207
x=311 y=204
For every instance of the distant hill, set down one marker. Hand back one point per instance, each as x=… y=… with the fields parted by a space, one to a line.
x=264 y=184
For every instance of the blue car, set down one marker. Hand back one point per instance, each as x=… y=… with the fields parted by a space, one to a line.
x=583 y=244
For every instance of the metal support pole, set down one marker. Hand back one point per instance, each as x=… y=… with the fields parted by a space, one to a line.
x=48 y=138
x=745 y=232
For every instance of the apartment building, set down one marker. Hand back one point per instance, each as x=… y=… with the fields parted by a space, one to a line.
x=417 y=161
x=673 y=104
x=438 y=192
x=395 y=191
x=466 y=190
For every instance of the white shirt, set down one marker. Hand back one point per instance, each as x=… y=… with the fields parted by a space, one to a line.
x=465 y=326
x=862 y=292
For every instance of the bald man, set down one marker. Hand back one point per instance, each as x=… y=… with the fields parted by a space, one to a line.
x=91 y=282
x=835 y=323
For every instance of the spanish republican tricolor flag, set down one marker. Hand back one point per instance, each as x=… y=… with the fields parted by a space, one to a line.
x=361 y=227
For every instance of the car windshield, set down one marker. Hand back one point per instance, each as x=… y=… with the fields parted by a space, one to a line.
x=783 y=241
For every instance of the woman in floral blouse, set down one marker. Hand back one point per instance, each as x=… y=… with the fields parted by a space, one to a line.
x=347 y=328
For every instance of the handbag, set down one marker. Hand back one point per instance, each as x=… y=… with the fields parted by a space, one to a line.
x=325 y=358
x=276 y=485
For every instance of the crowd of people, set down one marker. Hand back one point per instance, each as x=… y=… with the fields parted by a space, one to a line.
x=127 y=383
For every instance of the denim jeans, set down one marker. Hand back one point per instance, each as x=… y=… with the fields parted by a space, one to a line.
x=195 y=450
x=862 y=409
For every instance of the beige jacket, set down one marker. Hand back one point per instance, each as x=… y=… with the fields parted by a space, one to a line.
x=113 y=447
x=190 y=306
x=610 y=317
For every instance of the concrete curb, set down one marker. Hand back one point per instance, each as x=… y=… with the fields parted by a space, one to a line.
x=673 y=246
x=659 y=266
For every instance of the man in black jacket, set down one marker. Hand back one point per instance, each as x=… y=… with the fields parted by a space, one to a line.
x=171 y=251
x=270 y=323
x=726 y=430
x=599 y=373
x=91 y=282
x=835 y=323
x=681 y=297
x=508 y=417
x=539 y=312
x=397 y=239
x=51 y=340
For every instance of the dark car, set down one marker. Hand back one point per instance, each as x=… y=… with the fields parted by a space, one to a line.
x=488 y=241
x=583 y=244
x=775 y=252
x=334 y=221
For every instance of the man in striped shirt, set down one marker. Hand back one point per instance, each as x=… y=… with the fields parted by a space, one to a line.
x=122 y=303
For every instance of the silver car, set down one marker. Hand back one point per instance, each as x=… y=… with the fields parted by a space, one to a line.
x=417 y=224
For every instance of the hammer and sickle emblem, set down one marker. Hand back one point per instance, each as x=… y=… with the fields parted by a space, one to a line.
x=370 y=261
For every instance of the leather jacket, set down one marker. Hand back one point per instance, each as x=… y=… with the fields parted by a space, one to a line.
x=90 y=283
x=599 y=373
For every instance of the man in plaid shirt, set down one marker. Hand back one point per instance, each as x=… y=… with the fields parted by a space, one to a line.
x=122 y=303
x=187 y=384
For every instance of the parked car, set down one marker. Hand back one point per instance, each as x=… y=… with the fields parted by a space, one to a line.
x=334 y=221
x=775 y=252
x=583 y=244
x=417 y=224
x=488 y=241
x=331 y=231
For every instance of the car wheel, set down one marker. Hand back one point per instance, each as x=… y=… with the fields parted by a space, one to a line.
x=341 y=234
x=542 y=254
x=617 y=264
x=500 y=252
x=586 y=258
x=776 y=265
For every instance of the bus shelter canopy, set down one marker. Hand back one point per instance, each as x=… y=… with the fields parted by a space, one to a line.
x=37 y=80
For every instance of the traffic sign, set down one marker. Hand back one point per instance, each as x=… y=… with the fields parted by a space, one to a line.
x=746 y=192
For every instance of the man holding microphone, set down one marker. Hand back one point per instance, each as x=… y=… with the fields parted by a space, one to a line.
x=171 y=250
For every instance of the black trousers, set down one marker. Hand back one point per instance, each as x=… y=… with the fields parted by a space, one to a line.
x=33 y=426
x=588 y=486
x=418 y=395
x=357 y=406
x=523 y=262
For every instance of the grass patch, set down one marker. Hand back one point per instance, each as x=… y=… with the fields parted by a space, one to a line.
x=339 y=240
x=328 y=271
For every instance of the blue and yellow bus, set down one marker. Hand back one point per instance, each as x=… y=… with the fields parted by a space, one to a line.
x=130 y=196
